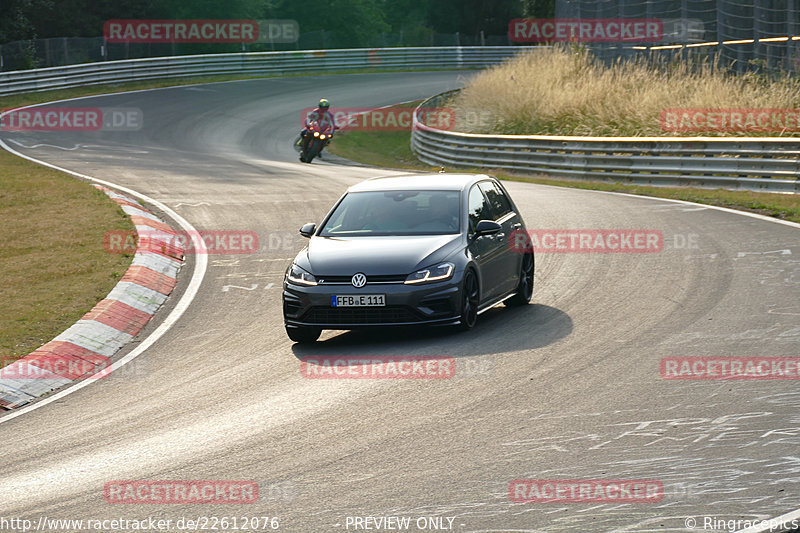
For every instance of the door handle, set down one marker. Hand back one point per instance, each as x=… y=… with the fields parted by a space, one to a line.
x=500 y=236
x=516 y=226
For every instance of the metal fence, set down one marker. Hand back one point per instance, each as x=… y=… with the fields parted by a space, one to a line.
x=750 y=33
x=753 y=163
x=255 y=64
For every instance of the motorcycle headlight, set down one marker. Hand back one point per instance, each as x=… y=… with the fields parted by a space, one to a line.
x=321 y=136
x=298 y=276
x=437 y=273
x=316 y=134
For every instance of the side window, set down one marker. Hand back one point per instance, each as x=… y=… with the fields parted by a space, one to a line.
x=478 y=208
x=497 y=199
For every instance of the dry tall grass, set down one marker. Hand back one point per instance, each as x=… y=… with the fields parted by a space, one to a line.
x=564 y=91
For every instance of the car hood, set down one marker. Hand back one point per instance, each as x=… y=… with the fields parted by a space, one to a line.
x=376 y=256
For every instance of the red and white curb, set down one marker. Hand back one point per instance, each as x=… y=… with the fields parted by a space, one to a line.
x=87 y=346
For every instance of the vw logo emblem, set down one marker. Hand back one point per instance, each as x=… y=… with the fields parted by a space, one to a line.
x=359 y=280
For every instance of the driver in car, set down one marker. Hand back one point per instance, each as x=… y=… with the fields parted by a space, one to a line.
x=388 y=218
x=441 y=214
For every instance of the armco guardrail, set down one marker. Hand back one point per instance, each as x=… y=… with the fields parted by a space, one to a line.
x=752 y=163
x=254 y=63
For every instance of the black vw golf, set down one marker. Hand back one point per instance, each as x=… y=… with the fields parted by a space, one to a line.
x=432 y=249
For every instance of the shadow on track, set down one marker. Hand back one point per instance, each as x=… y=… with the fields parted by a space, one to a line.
x=497 y=331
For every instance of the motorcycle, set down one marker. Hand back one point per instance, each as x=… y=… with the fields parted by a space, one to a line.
x=315 y=140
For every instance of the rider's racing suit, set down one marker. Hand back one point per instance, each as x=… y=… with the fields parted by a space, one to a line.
x=325 y=120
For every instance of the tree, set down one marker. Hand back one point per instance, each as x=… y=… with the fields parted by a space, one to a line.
x=15 y=22
x=352 y=23
x=345 y=23
x=470 y=17
x=540 y=9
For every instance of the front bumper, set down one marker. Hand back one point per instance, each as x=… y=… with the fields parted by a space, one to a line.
x=406 y=305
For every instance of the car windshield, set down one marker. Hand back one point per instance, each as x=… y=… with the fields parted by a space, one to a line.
x=395 y=213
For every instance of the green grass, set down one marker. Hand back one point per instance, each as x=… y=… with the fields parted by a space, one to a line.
x=53 y=266
x=392 y=149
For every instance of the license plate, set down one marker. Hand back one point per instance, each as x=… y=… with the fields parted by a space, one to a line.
x=359 y=300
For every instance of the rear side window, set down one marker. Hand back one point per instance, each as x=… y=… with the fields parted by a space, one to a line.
x=478 y=208
x=498 y=201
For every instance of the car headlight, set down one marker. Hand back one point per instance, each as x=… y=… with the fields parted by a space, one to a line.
x=299 y=276
x=437 y=273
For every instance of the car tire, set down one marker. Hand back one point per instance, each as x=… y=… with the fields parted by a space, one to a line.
x=303 y=334
x=525 y=287
x=469 y=302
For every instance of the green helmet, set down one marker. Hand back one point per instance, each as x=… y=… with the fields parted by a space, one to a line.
x=324 y=104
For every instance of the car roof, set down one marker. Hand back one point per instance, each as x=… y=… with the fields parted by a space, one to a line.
x=432 y=181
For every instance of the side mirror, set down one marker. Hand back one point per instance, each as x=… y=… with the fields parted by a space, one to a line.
x=487 y=227
x=308 y=230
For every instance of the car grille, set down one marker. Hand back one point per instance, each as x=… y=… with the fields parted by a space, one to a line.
x=354 y=315
x=327 y=280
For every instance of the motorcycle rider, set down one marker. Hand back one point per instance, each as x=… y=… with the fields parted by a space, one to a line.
x=323 y=117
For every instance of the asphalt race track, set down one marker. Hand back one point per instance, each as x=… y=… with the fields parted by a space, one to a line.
x=566 y=388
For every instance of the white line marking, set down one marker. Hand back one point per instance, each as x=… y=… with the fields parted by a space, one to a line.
x=226 y=288
x=198 y=204
x=781 y=252
x=783 y=311
x=48 y=145
x=724 y=209
x=201 y=264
